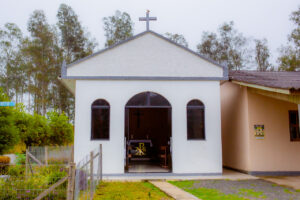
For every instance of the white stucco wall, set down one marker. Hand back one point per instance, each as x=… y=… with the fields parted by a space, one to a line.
x=146 y=55
x=188 y=156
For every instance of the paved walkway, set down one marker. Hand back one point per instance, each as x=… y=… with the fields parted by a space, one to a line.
x=290 y=181
x=173 y=191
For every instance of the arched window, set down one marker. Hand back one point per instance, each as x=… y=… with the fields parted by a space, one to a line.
x=100 y=119
x=195 y=120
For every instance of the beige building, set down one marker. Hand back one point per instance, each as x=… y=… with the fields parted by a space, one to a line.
x=260 y=122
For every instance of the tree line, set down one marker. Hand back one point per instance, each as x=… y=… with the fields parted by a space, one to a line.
x=30 y=65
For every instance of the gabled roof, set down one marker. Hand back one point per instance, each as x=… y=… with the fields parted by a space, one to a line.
x=278 y=79
x=141 y=34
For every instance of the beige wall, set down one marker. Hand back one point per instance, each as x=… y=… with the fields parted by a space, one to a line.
x=275 y=152
x=234 y=113
x=240 y=111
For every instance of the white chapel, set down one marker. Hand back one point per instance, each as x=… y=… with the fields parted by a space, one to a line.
x=154 y=106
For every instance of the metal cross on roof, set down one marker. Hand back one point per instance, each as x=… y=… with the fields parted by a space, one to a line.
x=147 y=19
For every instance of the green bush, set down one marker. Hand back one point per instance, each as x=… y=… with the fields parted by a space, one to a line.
x=21 y=159
x=38 y=132
x=60 y=128
x=19 y=187
x=16 y=170
x=9 y=135
x=33 y=130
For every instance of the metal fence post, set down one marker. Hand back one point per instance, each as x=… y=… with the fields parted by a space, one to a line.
x=71 y=180
x=91 y=175
x=46 y=155
x=100 y=161
x=26 y=164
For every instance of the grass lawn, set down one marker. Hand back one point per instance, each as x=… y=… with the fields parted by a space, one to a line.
x=128 y=191
x=237 y=190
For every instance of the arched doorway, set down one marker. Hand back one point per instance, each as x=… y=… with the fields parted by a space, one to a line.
x=148 y=133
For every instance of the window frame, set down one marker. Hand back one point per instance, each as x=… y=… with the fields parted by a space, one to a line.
x=201 y=106
x=107 y=106
x=297 y=125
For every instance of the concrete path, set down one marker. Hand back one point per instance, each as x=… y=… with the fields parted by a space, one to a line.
x=290 y=181
x=173 y=191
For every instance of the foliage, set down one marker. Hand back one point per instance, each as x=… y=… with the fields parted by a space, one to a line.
x=18 y=148
x=32 y=130
x=262 y=55
x=178 y=38
x=21 y=159
x=74 y=40
x=38 y=131
x=43 y=54
x=117 y=28
x=227 y=47
x=30 y=66
x=12 y=71
x=289 y=59
x=61 y=131
x=19 y=187
x=51 y=130
x=128 y=190
x=9 y=135
x=75 y=44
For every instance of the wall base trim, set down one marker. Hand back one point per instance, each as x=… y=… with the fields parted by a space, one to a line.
x=266 y=173
x=163 y=174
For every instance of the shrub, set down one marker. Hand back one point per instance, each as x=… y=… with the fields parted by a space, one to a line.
x=16 y=170
x=9 y=135
x=21 y=159
x=38 y=132
x=60 y=128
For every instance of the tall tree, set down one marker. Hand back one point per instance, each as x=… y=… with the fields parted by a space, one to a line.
x=75 y=44
x=262 y=55
x=12 y=70
x=227 y=47
x=42 y=52
x=74 y=40
x=178 y=38
x=289 y=59
x=117 y=28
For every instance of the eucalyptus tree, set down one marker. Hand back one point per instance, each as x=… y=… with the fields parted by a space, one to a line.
x=117 y=28
x=12 y=78
x=289 y=60
x=227 y=46
x=42 y=52
x=178 y=38
x=75 y=44
x=262 y=55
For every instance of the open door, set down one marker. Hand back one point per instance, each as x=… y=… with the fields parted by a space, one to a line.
x=148 y=133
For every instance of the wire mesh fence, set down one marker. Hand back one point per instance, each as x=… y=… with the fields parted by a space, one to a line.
x=88 y=175
x=48 y=173
x=15 y=184
x=52 y=154
x=43 y=173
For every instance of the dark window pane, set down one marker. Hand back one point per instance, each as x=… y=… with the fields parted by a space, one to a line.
x=100 y=102
x=100 y=120
x=195 y=120
x=148 y=99
x=294 y=125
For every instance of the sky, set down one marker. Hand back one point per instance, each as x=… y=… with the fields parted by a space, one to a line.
x=254 y=18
